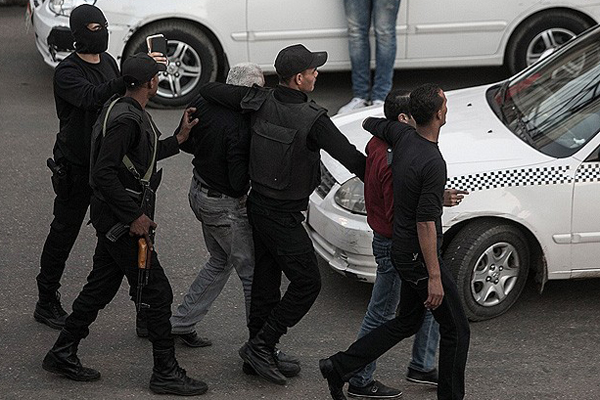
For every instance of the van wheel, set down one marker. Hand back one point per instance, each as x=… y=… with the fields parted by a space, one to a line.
x=490 y=263
x=542 y=32
x=193 y=61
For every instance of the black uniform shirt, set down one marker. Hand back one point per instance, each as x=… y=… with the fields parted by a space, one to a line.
x=80 y=90
x=323 y=135
x=419 y=178
x=220 y=143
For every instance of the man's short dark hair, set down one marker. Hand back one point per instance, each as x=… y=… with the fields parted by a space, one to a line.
x=397 y=102
x=425 y=101
x=285 y=80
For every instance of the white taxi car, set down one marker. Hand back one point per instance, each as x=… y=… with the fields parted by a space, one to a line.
x=528 y=151
x=205 y=36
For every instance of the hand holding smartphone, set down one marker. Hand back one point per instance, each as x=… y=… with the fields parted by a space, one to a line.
x=157 y=44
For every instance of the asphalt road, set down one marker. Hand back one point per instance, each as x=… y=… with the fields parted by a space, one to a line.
x=545 y=347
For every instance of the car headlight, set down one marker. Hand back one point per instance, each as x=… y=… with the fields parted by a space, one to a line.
x=351 y=196
x=64 y=7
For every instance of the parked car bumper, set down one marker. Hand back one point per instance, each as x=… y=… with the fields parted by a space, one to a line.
x=43 y=22
x=340 y=238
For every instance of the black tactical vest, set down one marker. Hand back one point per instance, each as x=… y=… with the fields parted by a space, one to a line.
x=140 y=155
x=281 y=165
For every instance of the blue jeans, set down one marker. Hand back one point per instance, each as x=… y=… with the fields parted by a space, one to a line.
x=382 y=308
x=228 y=237
x=359 y=14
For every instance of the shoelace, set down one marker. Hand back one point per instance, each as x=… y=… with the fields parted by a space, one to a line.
x=181 y=372
x=57 y=310
x=56 y=306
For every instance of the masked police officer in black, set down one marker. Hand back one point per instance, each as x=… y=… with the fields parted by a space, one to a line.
x=82 y=83
x=288 y=132
x=125 y=148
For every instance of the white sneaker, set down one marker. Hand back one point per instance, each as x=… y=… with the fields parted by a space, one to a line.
x=354 y=104
x=378 y=102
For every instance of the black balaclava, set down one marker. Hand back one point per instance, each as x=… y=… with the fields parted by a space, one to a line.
x=86 y=41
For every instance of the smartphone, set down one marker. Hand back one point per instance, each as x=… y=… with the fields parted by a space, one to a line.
x=157 y=43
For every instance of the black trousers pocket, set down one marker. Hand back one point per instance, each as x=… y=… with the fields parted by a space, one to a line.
x=410 y=266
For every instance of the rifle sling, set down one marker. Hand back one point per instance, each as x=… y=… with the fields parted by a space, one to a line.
x=145 y=180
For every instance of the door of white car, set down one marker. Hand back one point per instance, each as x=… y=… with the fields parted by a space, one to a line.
x=586 y=218
x=458 y=28
x=318 y=24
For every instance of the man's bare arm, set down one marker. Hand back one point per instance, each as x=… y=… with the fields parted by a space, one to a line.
x=428 y=241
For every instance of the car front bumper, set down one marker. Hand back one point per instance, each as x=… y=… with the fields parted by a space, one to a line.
x=343 y=239
x=44 y=21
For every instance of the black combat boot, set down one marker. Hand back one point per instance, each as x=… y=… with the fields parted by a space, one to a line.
x=50 y=312
x=289 y=366
x=169 y=378
x=259 y=353
x=280 y=356
x=62 y=359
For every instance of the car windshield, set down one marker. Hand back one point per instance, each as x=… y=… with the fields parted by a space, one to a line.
x=555 y=107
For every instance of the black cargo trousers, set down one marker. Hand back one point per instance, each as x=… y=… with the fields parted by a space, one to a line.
x=281 y=245
x=71 y=203
x=112 y=261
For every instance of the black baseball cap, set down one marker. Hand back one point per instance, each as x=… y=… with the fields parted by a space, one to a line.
x=297 y=58
x=140 y=68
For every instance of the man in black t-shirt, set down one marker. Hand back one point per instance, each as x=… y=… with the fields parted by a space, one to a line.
x=82 y=83
x=419 y=178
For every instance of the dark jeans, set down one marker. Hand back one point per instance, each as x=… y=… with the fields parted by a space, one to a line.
x=281 y=244
x=454 y=329
x=112 y=261
x=70 y=206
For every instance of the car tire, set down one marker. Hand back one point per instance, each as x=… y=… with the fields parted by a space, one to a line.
x=193 y=61
x=490 y=263
x=527 y=42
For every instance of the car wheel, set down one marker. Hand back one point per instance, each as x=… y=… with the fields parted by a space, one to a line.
x=193 y=61
x=540 y=33
x=490 y=263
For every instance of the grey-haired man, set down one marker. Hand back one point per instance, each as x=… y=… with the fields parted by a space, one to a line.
x=217 y=196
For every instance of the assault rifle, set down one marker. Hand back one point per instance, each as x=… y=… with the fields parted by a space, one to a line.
x=144 y=262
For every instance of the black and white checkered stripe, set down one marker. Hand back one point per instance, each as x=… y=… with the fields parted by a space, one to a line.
x=588 y=172
x=554 y=175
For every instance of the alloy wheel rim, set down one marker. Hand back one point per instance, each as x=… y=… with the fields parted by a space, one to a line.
x=545 y=40
x=495 y=274
x=183 y=71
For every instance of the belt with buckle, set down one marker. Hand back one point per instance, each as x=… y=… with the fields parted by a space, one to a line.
x=210 y=192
